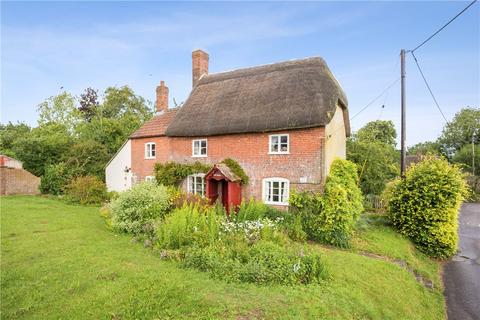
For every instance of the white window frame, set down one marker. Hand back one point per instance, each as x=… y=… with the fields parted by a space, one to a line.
x=200 y=148
x=267 y=183
x=279 y=136
x=148 y=150
x=192 y=188
x=150 y=178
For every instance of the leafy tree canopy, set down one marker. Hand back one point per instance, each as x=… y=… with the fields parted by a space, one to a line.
x=9 y=133
x=380 y=130
x=424 y=148
x=460 y=130
x=59 y=109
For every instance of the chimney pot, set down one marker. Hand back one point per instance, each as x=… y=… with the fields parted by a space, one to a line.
x=162 y=97
x=199 y=65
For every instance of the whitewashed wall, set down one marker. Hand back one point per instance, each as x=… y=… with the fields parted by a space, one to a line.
x=336 y=139
x=116 y=177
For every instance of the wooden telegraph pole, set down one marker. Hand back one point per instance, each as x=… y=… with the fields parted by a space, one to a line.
x=402 y=134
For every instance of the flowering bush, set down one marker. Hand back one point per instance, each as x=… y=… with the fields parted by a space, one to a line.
x=254 y=230
x=135 y=210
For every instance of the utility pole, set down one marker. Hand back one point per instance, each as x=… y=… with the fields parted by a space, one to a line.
x=402 y=134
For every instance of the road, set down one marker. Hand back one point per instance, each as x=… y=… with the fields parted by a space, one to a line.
x=461 y=276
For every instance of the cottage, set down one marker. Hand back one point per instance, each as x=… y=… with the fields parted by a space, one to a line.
x=284 y=123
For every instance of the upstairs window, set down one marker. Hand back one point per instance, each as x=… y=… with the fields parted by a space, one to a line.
x=279 y=144
x=276 y=191
x=199 y=148
x=150 y=150
x=196 y=184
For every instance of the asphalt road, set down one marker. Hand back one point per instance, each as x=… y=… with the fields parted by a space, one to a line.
x=461 y=276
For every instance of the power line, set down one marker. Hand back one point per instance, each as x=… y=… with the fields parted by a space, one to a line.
x=368 y=105
x=428 y=87
x=378 y=97
x=438 y=31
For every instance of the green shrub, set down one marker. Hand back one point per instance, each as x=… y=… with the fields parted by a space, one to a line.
x=424 y=205
x=189 y=225
x=330 y=217
x=236 y=169
x=55 y=179
x=135 y=210
x=87 y=190
x=172 y=173
x=179 y=198
x=254 y=210
x=262 y=263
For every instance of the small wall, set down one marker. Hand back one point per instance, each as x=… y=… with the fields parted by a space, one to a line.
x=18 y=181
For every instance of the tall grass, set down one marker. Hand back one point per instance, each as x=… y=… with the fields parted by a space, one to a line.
x=191 y=224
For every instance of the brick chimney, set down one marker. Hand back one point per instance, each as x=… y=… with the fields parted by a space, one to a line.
x=199 y=65
x=162 y=97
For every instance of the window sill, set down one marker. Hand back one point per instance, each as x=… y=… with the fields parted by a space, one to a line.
x=276 y=203
x=150 y=158
x=278 y=153
x=199 y=156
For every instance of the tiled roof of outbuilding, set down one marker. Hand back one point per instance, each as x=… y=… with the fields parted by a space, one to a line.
x=155 y=126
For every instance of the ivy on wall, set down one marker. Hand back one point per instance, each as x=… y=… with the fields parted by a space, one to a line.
x=172 y=173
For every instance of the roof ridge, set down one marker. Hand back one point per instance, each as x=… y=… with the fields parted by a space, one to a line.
x=292 y=63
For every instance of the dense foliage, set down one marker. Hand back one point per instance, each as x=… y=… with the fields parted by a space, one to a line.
x=188 y=225
x=372 y=148
x=88 y=190
x=256 y=250
x=330 y=217
x=137 y=209
x=424 y=205
x=460 y=131
x=172 y=173
x=75 y=139
x=55 y=179
x=264 y=262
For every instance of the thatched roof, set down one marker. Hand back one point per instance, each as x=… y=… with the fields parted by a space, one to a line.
x=156 y=126
x=287 y=95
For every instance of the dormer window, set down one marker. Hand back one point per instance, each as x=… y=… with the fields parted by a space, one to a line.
x=199 y=148
x=150 y=150
x=279 y=144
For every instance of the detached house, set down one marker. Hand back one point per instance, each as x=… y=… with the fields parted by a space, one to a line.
x=284 y=123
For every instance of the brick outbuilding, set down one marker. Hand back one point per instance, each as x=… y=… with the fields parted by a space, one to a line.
x=284 y=123
x=15 y=180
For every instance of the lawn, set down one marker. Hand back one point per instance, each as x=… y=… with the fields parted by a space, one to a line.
x=59 y=261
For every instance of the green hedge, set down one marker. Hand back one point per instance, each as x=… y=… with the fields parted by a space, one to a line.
x=424 y=206
x=330 y=217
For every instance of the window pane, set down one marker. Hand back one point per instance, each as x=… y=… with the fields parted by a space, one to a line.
x=203 y=151
x=284 y=139
x=204 y=143
x=153 y=150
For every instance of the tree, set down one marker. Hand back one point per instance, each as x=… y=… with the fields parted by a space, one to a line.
x=377 y=164
x=88 y=104
x=372 y=148
x=44 y=145
x=121 y=102
x=380 y=130
x=424 y=148
x=465 y=155
x=60 y=110
x=87 y=158
x=460 y=131
x=10 y=133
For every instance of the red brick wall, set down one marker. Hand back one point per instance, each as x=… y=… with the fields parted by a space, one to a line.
x=18 y=181
x=251 y=151
x=142 y=167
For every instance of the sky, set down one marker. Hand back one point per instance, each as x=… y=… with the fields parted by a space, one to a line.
x=75 y=45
